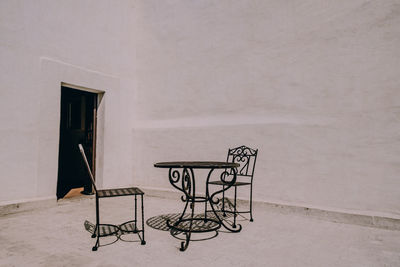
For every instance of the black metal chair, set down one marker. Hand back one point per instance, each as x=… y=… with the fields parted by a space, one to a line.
x=102 y=230
x=246 y=157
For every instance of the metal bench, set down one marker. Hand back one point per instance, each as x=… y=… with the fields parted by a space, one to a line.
x=101 y=230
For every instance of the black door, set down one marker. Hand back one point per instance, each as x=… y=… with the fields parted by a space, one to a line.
x=77 y=126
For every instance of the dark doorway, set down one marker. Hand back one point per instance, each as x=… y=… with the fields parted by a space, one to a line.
x=77 y=126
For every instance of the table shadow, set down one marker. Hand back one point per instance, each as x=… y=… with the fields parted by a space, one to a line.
x=159 y=222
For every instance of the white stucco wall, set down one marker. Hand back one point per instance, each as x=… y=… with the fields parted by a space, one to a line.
x=313 y=84
x=44 y=43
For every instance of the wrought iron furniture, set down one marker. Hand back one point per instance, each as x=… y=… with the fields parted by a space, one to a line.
x=131 y=226
x=246 y=157
x=182 y=177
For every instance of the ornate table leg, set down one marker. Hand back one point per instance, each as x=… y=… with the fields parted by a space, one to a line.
x=187 y=186
x=210 y=198
x=185 y=244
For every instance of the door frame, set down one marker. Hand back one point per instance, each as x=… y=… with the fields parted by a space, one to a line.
x=98 y=97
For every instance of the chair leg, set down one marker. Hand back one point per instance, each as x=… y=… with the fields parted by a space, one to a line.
x=251 y=203
x=135 y=230
x=223 y=201
x=205 y=210
x=143 y=241
x=97 y=231
x=234 y=209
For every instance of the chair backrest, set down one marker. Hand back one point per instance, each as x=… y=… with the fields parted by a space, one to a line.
x=87 y=166
x=246 y=157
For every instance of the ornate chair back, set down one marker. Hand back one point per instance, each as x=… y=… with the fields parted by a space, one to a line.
x=246 y=157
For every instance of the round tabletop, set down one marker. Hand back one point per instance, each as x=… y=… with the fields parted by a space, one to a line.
x=197 y=164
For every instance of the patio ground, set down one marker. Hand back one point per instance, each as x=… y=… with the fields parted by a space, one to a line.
x=54 y=235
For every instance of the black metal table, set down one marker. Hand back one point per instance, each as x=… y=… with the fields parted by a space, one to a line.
x=181 y=176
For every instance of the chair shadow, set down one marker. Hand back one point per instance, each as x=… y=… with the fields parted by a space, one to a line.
x=111 y=238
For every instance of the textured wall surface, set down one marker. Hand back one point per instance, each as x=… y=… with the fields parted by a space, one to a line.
x=44 y=43
x=313 y=84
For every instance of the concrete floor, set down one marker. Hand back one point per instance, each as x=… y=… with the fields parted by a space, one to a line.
x=55 y=236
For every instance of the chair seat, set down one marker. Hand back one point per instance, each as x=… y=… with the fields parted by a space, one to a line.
x=119 y=192
x=226 y=183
